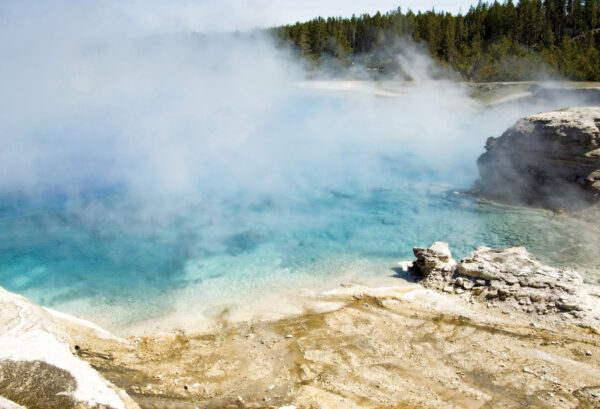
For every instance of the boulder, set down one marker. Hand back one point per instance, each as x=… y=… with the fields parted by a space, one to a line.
x=551 y=159
x=435 y=259
x=515 y=273
x=510 y=274
x=516 y=265
x=37 y=366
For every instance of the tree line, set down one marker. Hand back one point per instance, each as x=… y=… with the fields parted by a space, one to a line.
x=491 y=42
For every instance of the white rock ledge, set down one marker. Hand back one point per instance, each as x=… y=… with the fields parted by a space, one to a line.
x=34 y=344
x=510 y=277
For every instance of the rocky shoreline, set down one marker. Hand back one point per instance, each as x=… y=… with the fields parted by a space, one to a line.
x=496 y=329
x=513 y=277
x=39 y=366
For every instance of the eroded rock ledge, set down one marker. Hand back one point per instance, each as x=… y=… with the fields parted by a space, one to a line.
x=551 y=159
x=511 y=275
x=38 y=366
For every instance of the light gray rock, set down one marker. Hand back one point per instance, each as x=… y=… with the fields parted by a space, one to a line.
x=37 y=366
x=511 y=275
x=435 y=259
x=518 y=273
x=551 y=159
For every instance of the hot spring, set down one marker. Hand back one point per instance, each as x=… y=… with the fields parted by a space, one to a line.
x=151 y=175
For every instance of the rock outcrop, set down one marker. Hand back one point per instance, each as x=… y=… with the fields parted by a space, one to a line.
x=436 y=259
x=511 y=275
x=551 y=159
x=38 y=368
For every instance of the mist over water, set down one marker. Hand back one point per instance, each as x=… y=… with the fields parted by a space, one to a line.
x=142 y=169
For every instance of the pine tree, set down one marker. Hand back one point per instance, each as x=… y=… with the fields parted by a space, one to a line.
x=590 y=14
x=303 y=41
x=499 y=41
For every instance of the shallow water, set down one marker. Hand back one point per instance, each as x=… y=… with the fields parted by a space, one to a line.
x=222 y=255
x=313 y=200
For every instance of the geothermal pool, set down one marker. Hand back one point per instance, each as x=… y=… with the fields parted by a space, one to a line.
x=126 y=268
x=324 y=185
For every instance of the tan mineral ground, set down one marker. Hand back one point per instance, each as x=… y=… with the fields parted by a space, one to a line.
x=395 y=347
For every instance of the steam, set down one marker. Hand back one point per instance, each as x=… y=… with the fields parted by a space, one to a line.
x=191 y=112
x=171 y=148
x=110 y=102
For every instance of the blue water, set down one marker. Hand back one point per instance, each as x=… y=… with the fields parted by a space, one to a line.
x=300 y=200
x=132 y=264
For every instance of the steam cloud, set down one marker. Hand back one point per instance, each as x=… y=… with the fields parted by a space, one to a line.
x=110 y=96
x=104 y=98
x=93 y=100
x=173 y=151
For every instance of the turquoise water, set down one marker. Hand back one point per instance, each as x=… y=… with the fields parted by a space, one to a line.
x=96 y=266
x=304 y=198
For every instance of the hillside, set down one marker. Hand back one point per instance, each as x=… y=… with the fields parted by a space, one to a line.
x=491 y=42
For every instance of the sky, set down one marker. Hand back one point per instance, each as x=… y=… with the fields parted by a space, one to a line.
x=288 y=11
x=248 y=14
x=210 y=15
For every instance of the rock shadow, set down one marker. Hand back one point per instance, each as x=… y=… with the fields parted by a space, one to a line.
x=410 y=274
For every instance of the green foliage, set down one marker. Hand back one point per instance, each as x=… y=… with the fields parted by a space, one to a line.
x=491 y=42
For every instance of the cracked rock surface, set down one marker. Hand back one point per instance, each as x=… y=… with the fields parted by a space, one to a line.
x=512 y=276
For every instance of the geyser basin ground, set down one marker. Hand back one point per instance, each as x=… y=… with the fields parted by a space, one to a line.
x=107 y=261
